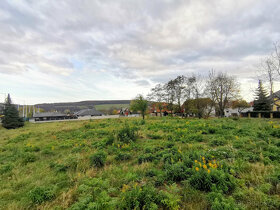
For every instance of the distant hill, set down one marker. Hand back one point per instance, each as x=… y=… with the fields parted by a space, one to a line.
x=76 y=106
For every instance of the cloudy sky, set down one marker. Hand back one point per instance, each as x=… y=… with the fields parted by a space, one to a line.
x=70 y=50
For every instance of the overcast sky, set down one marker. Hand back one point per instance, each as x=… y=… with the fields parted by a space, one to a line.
x=53 y=51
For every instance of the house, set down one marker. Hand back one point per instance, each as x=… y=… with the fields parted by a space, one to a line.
x=230 y=112
x=275 y=106
x=44 y=116
x=88 y=112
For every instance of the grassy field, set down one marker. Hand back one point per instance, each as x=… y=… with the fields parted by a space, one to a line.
x=162 y=163
x=109 y=106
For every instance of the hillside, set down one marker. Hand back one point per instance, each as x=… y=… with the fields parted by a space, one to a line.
x=168 y=163
x=76 y=106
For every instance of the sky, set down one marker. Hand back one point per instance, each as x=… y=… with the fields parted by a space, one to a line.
x=68 y=50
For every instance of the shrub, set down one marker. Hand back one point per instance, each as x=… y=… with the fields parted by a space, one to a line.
x=219 y=202
x=177 y=172
x=127 y=134
x=275 y=132
x=146 y=158
x=216 y=179
x=109 y=140
x=145 y=197
x=98 y=159
x=40 y=194
x=218 y=142
x=123 y=156
x=28 y=157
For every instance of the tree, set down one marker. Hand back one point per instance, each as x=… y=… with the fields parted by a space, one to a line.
x=158 y=95
x=139 y=104
x=221 y=89
x=11 y=117
x=179 y=85
x=204 y=108
x=262 y=102
x=170 y=95
x=240 y=105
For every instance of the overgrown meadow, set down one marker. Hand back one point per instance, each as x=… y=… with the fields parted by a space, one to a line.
x=160 y=163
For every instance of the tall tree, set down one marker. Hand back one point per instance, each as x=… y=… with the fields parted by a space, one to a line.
x=139 y=104
x=11 y=117
x=262 y=102
x=158 y=95
x=179 y=85
x=170 y=95
x=221 y=89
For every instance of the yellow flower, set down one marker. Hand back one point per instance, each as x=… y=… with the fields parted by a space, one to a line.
x=203 y=158
x=199 y=164
x=195 y=161
x=205 y=166
x=208 y=171
x=196 y=168
x=124 y=188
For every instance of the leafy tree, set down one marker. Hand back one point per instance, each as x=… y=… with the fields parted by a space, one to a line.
x=262 y=102
x=240 y=105
x=11 y=117
x=139 y=104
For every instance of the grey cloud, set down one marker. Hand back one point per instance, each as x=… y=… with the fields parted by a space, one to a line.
x=132 y=39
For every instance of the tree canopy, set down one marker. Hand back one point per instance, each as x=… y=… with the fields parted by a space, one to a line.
x=262 y=102
x=11 y=117
x=139 y=104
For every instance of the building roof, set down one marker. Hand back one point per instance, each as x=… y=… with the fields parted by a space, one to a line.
x=277 y=94
x=88 y=112
x=49 y=114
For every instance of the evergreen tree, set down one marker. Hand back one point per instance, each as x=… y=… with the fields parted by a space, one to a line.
x=262 y=102
x=11 y=117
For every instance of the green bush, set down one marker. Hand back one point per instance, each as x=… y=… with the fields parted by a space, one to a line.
x=98 y=159
x=218 y=142
x=216 y=179
x=177 y=172
x=40 y=194
x=121 y=156
x=28 y=158
x=148 y=157
x=127 y=134
x=145 y=197
x=219 y=202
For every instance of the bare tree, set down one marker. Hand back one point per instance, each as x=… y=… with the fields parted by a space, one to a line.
x=158 y=95
x=221 y=89
x=270 y=67
x=170 y=94
x=179 y=89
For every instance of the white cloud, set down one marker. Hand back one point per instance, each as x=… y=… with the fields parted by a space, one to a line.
x=128 y=45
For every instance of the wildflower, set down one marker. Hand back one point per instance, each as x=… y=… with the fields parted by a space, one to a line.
x=195 y=161
x=196 y=168
x=208 y=171
x=199 y=164
x=124 y=188
x=205 y=166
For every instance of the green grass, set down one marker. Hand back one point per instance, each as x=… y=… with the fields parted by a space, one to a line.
x=162 y=163
x=110 y=106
